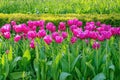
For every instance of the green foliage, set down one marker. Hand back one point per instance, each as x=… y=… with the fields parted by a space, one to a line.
x=113 y=19
x=60 y=6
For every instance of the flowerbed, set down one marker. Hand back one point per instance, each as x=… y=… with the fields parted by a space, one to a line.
x=69 y=51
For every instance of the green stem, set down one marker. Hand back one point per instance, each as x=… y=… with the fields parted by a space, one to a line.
x=107 y=59
x=69 y=59
x=97 y=60
x=83 y=66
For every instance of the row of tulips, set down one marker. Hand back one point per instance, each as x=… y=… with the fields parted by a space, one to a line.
x=37 y=29
x=71 y=51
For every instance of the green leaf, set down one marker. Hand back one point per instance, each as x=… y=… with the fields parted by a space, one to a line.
x=75 y=61
x=14 y=63
x=27 y=55
x=99 y=76
x=112 y=67
x=64 y=75
x=57 y=59
x=17 y=75
x=3 y=60
x=10 y=57
x=78 y=73
x=91 y=67
x=37 y=68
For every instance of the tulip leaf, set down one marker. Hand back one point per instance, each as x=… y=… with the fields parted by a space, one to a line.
x=99 y=76
x=75 y=61
x=14 y=63
x=64 y=75
x=27 y=55
x=10 y=57
x=17 y=75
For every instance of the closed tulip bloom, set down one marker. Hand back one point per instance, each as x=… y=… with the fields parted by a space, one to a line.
x=75 y=21
x=6 y=35
x=18 y=28
x=17 y=38
x=96 y=45
x=93 y=35
x=41 y=33
x=31 y=34
x=30 y=24
x=79 y=23
x=64 y=35
x=41 y=23
x=13 y=23
x=100 y=37
x=54 y=34
x=98 y=23
x=77 y=31
x=48 y=39
x=62 y=26
x=50 y=26
x=58 y=39
x=5 y=28
x=73 y=27
x=70 y=22
x=32 y=44
x=73 y=39
x=81 y=35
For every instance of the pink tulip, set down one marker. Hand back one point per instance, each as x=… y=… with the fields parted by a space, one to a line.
x=79 y=23
x=75 y=21
x=54 y=34
x=81 y=35
x=70 y=22
x=73 y=27
x=31 y=34
x=18 y=28
x=77 y=31
x=58 y=39
x=64 y=35
x=30 y=24
x=41 y=23
x=17 y=38
x=96 y=45
x=93 y=35
x=5 y=28
x=62 y=26
x=13 y=23
x=73 y=39
x=25 y=29
x=98 y=23
x=6 y=35
x=32 y=44
x=41 y=33
x=50 y=26
x=100 y=37
x=48 y=39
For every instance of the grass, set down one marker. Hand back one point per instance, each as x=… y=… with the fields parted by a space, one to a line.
x=60 y=6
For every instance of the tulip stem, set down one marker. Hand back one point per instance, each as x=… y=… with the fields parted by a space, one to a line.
x=97 y=60
x=106 y=58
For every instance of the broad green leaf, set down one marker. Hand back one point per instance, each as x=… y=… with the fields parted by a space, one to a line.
x=36 y=67
x=10 y=57
x=3 y=59
x=17 y=75
x=27 y=55
x=91 y=67
x=75 y=61
x=57 y=59
x=112 y=67
x=99 y=76
x=64 y=75
x=14 y=63
x=78 y=73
